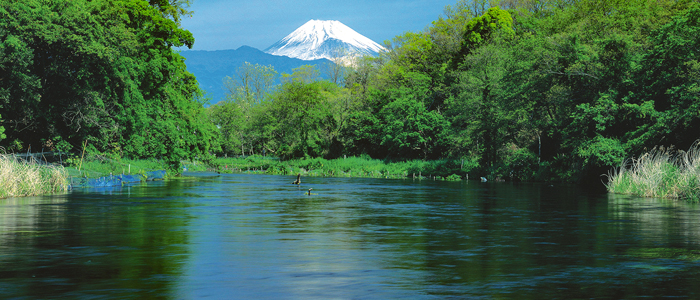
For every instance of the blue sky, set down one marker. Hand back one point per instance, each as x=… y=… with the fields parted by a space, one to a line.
x=220 y=24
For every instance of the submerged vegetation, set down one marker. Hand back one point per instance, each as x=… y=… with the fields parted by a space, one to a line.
x=19 y=178
x=660 y=173
x=664 y=253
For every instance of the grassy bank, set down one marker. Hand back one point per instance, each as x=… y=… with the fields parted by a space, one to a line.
x=660 y=173
x=348 y=167
x=19 y=178
x=95 y=165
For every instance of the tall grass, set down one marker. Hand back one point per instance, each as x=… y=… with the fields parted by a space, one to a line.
x=660 y=173
x=19 y=178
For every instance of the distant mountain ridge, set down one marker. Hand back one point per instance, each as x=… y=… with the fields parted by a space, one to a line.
x=315 y=43
x=318 y=39
x=211 y=67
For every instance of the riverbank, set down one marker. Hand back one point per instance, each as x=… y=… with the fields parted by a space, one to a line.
x=660 y=173
x=94 y=166
x=19 y=178
x=448 y=169
x=98 y=170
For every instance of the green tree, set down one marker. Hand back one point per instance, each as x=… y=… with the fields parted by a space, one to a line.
x=668 y=77
x=480 y=30
x=2 y=133
x=305 y=74
x=102 y=71
x=337 y=68
x=302 y=114
x=397 y=123
x=483 y=113
x=409 y=130
x=250 y=87
x=232 y=124
x=251 y=84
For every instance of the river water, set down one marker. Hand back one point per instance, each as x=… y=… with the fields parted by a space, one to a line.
x=260 y=237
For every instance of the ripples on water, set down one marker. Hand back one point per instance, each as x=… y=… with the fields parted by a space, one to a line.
x=260 y=237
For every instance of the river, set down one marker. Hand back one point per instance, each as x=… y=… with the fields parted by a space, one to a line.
x=246 y=236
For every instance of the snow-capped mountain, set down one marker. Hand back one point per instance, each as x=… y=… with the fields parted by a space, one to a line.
x=318 y=39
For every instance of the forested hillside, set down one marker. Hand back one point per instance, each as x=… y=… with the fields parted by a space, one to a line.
x=99 y=73
x=525 y=90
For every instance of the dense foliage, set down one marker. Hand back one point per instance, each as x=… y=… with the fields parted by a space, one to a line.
x=532 y=90
x=100 y=73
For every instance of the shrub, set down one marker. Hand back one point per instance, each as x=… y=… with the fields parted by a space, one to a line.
x=453 y=177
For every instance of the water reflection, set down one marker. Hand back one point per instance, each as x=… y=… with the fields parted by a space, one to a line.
x=90 y=243
x=20 y=216
x=256 y=236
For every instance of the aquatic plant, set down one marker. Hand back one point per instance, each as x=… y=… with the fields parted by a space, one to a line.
x=19 y=178
x=661 y=173
x=664 y=253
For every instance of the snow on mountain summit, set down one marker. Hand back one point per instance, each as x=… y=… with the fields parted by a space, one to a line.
x=318 y=39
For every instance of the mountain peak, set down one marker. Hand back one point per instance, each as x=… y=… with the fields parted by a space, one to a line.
x=328 y=39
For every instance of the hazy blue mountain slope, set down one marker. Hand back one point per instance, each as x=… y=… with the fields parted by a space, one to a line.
x=210 y=67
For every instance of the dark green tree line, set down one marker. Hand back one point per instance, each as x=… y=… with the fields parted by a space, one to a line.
x=104 y=72
x=531 y=90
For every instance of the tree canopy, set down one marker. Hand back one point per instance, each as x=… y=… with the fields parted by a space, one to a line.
x=100 y=71
x=531 y=90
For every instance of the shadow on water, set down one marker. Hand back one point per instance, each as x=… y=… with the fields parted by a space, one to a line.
x=114 y=242
x=258 y=236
